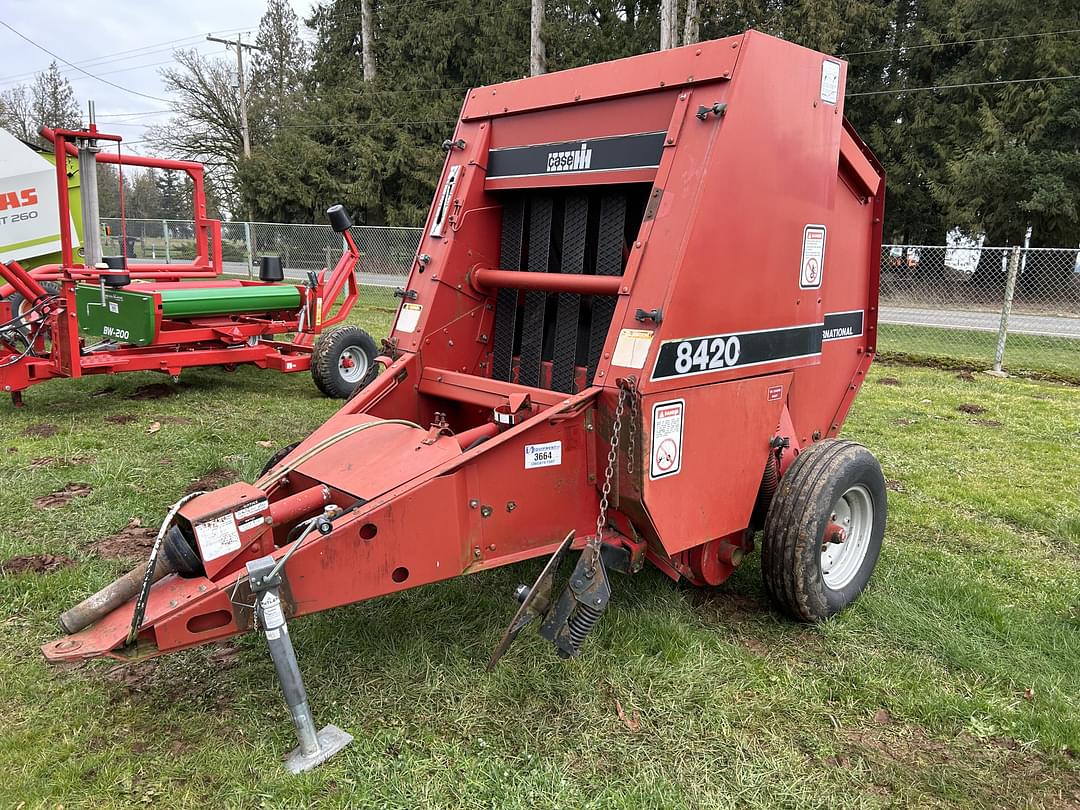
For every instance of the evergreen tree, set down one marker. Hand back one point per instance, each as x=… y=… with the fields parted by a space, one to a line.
x=54 y=102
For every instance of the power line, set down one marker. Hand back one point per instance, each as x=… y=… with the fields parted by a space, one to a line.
x=964 y=42
x=86 y=72
x=958 y=86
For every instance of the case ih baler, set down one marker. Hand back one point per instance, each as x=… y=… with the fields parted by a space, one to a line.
x=174 y=316
x=645 y=298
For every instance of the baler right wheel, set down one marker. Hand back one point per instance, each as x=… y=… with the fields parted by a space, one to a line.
x=341 y=358
x=275 y=459
x=824 y=529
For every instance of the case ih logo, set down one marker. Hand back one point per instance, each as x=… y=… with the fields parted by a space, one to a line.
x=17 y=199
x=572 y=161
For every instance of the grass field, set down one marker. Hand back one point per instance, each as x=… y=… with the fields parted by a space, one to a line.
x=1055 y=358
x=954 y=681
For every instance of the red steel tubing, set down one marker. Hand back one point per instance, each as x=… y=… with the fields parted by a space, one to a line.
x=484 y=279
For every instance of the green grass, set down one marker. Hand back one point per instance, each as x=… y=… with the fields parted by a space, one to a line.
x=913 y=697
x=1030 y=355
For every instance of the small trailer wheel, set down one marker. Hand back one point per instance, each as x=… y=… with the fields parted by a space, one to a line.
x=20 y=308
x=340 y=360
x=824 y=529
x=374 y=370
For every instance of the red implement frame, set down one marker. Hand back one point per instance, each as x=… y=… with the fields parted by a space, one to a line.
x=226 y=340
x=711 y=225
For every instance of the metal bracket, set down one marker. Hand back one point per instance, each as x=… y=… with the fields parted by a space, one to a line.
x=719 y=109
x=408 y=295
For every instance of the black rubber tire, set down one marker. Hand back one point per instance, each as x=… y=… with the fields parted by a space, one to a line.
x=374 y=370
x=275 y=459
x=795 y=528
x=325 y=359
x=17 y=301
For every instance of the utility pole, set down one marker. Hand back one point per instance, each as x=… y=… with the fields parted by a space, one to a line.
x=668 y=24
x=367 y=51
x=240 y=45
x=537 y=52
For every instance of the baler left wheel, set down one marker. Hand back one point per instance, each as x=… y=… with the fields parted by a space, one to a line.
x=824 y=529
x=341 y=358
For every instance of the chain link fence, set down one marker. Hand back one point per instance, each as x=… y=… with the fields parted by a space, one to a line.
x=1011 y=308
x=387 y=252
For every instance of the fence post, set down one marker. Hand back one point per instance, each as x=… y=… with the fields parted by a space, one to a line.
x=249 y=253
x=1006 y=308
x=165 y=230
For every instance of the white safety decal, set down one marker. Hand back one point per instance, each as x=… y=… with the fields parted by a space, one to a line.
x=543 y=455
x=667 y=438
x=632 y=348
x=253 y=508
x=409 y=317
x=830 y=81
x=252 y=524
x=217 y=537
x=812 y=265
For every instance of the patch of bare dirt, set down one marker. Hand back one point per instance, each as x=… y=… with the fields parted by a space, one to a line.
x=970 y=407
x=215 y=479
x=133 y=542
x=993 y=423
x=894 y=485
x=131 y=678
x=62 y=497
x=56 y=461
x=727 y=608
x=34 y=564
x=120 y=418
x=42 y=431
x=967 y=376
x=225 y=655
x=104 y=392
x=1022 y=769
x=888 y=381
x=153 y=391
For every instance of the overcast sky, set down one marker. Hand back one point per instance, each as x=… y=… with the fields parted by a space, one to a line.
x=126 y=42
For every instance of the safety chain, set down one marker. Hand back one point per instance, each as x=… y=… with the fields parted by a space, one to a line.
x=628 y=391
x=635 y=421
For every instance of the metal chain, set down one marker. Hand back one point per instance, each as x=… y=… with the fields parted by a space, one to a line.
x=609 y=473
x=635 y=421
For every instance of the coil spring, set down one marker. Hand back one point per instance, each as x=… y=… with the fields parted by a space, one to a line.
x=581 y=622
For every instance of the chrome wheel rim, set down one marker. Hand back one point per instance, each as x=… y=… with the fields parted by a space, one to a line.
x=352 y=364
x=841 y=560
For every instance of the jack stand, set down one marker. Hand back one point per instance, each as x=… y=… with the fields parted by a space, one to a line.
x=315 y=748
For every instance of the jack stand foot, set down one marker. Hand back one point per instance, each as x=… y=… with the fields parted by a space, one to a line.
x=315 y=748
x=331 y=740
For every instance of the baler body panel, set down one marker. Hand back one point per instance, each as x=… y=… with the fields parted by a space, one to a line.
x=698 y=227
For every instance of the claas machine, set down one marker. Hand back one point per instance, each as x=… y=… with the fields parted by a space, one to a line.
x=105 y=315
x=645 y=297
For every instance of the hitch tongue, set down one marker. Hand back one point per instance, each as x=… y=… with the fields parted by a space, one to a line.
x=315 y=748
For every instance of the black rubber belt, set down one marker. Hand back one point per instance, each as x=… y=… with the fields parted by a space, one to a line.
x=564 y=357
x=513 y=221
x=532 y=325
x=609 y=255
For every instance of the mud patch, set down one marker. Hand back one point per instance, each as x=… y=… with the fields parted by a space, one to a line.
x=133 y=542
x=722 y=607
x=992 y=423
x=970 y=407
x=889 y=381
x=215 y=479
x=35 y=564
x=59 y=461
x=967 y=376
x=894 y=485
x=43 y=431
x=964 y=759
x=131 y=678
x=104 y=392
x=120 y=418
x=62 y=497
x=225 y=655
x=175 y=420
x=153 y=391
